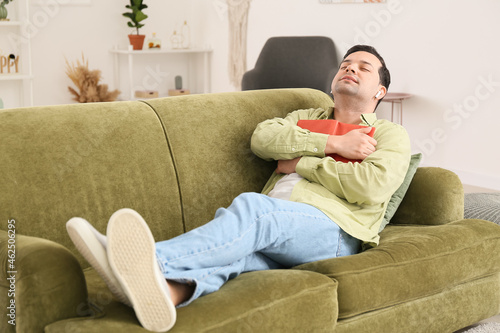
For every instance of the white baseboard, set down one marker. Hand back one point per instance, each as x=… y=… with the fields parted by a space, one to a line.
x=479 y=180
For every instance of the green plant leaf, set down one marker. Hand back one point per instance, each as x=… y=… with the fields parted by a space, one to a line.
x=136 y=15
x=140 y=16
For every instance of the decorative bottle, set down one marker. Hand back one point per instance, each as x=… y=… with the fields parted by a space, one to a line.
x=186 y=35
x=154 y=43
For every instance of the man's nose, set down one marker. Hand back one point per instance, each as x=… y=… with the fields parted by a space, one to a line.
x=350 y=68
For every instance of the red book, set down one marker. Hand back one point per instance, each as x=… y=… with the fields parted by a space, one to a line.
x=332 y=127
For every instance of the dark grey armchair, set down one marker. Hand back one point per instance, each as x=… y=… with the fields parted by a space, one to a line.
x=294 y=62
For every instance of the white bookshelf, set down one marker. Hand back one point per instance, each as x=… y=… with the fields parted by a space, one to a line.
x=129 y=56
x=22 y=81
x=14 y=77
x=11 y=23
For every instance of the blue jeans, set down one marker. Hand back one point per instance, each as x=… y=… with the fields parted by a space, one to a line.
x=254 y=233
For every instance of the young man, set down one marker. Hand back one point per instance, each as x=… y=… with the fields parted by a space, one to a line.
x=312 y=208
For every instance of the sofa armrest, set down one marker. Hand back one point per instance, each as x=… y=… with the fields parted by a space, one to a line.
x=41 y=282
x=435 y=196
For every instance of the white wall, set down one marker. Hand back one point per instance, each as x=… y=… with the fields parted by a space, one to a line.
x=93 y=30
x=444 y=52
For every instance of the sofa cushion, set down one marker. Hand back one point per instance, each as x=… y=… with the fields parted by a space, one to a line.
x=398 y=196
x=448 y=311
x=214 y=162
x=86 y=160
x=413 y=262
x=265 y=301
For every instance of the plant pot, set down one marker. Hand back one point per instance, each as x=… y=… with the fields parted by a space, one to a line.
x=3 y=13
x=136 y=41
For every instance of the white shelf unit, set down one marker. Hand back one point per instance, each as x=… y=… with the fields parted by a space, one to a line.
x=15 y=33
x=163 y=55
x=13 y=77
x=11 y=23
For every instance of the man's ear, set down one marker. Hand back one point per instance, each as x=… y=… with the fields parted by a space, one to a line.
x=382 y=91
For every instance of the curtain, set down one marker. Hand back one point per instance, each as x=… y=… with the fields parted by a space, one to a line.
x=238 y=21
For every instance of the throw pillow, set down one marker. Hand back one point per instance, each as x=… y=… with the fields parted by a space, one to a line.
x=398 y=196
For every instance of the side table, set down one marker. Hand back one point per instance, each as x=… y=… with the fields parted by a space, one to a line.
x=396 y=98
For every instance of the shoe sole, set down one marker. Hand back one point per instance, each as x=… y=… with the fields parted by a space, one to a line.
x=94 y=252
x=132 y=257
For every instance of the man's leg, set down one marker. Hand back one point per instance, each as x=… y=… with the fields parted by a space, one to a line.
x=255 y=232
x=92 y=246
x=132 y=258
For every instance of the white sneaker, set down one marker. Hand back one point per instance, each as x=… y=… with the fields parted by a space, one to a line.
x=132 y=257
x=92 y=245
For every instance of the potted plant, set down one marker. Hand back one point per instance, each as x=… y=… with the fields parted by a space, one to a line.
x=3 y=9
x=136 y=17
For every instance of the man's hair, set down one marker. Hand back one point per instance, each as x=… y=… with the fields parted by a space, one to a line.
x=383 y=72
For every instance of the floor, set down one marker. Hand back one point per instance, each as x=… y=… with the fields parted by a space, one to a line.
x=495 y=319
x=475 y=189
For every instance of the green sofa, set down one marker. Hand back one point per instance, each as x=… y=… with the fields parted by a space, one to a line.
x=176 y=160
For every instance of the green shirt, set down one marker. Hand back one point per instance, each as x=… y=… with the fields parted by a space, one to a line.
x=353 y=195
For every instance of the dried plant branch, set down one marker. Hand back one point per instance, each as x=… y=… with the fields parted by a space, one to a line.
x=87 y=84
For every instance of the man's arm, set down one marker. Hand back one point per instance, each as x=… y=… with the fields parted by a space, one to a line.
x=355 y=145
x=370 y=182
x=282 y=139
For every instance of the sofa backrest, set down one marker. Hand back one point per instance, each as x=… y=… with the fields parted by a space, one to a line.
x=175 y=160
x=85 y=160
x=210 y=140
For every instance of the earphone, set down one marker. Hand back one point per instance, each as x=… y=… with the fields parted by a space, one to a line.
x=378 y=94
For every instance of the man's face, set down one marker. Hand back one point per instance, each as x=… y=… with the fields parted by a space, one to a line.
x=358 y=76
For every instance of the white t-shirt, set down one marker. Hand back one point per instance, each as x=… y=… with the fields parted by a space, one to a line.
x=284 y=187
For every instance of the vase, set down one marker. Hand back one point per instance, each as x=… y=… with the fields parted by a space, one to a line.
x=137 y=41
x=3 y=13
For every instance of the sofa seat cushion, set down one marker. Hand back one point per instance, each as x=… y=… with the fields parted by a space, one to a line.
x=413 y=262
x=265 y=301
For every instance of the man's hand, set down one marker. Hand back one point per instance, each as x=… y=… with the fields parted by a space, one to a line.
x=287 y=166
x=356 y=144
